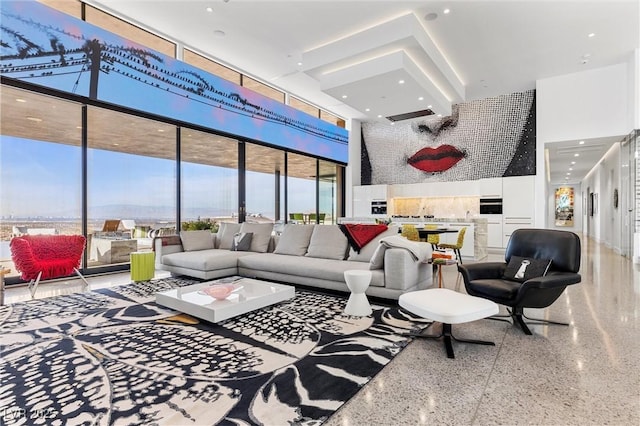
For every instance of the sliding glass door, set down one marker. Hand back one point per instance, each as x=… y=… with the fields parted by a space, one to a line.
x=131 y=184
x=41 y=163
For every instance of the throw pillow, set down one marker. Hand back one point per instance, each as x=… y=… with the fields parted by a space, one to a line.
x=261 y=235
x=226 y=232
x=196 y=240
x=524 y=268
x=366 y=252
x=327 y=242
x=241 y=241
x=294 y=240
x=377 y=258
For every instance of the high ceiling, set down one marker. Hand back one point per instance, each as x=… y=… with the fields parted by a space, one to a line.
x=326 y=49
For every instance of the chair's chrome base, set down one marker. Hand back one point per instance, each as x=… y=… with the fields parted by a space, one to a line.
x=33 y=284
x=517 y=314
x=447 y=335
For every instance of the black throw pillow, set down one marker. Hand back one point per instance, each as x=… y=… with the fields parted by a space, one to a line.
x=523 y=268
x=242 y=241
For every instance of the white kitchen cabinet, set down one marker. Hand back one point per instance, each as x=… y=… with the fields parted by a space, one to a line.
x=490 y=188
x=364 y=195
x=518 y=196
x=517 y=204
x=512 y=223
x=494 y=230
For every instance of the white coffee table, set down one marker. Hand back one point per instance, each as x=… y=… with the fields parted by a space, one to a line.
x=251 y=294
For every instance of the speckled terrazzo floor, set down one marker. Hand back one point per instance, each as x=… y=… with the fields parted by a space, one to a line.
x=584 y=374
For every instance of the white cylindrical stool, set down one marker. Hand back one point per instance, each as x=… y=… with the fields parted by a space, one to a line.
x=358 y=282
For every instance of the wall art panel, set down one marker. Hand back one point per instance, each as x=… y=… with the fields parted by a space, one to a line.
x=564 y=206
x=492 y=137
x=46 y=47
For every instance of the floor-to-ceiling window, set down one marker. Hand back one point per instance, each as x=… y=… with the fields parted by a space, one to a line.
x=209 y=177
x=264 y=183
x=301 y=187
x=131 y=189
x=327 y=192
x=40 y=162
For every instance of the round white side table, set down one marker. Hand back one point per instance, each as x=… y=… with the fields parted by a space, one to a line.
x=358 y=282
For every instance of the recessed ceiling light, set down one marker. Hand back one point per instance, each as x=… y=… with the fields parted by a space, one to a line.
x=20 y=100
x=431 y=16
x=581 y=142
x=299 y=64
x=209 y=9
x=573 y=162
x=568 y=173
x=78 y=127
x=439 y=115
x=570 y=169
x=36 y=119
x=446 y=11
x=421 y=98
x=592 y=35
x=400 y=81
x=161 y=130
x=429 y=106
x=379 y=116
x=115 y=144
x=393 y=123
x=344 y=96
x=219 y=33
x=367 y=109
x=576 y=155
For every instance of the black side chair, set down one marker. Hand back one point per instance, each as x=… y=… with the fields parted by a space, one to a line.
x=487 y=279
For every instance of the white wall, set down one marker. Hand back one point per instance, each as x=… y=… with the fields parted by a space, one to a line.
x=606 y=224
x=352 y=174
x=590 y=104
x=584 y=105
x=634 y=72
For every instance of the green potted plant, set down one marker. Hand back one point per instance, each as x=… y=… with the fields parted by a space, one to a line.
x=200 y=224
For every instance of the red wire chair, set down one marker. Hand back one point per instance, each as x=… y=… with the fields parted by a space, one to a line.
x=44 y=257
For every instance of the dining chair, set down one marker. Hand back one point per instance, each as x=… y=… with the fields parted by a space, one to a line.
x=457 y=246
x=410 y=232
x=433 y=239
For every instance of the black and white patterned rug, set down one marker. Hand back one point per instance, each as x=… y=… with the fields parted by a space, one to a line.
x=113 y=356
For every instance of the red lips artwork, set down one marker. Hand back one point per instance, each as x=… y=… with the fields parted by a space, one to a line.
x=438 y=159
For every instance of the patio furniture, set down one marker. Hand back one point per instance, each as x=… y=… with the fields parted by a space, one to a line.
x=45 y=257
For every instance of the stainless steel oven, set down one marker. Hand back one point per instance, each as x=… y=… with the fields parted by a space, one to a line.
x=490 y=205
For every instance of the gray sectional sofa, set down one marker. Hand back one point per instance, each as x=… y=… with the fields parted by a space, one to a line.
x=309 y=255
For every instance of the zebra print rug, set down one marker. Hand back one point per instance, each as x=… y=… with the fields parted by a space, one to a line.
x=113 y=356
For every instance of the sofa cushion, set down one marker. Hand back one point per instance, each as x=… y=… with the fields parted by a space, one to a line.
x=196 y=240
x=261 y=235
x=366 y=252
x=226 y=231
x=323 y=269
x=294 y=240
x=327 y=242
x=204 y=260
x=242 y=241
